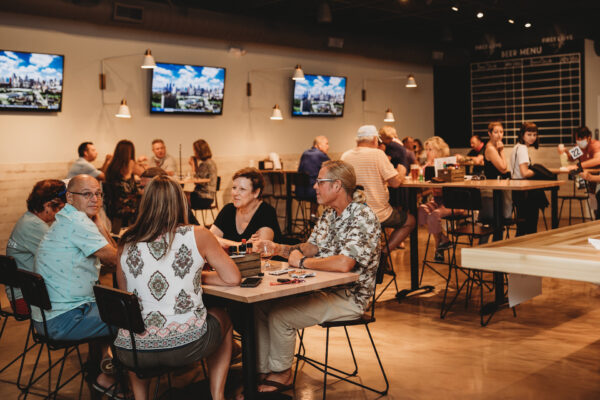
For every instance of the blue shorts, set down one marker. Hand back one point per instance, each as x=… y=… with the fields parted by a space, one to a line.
x=83 y=322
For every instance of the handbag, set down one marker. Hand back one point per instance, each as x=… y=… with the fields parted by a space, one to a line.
x=542 y=173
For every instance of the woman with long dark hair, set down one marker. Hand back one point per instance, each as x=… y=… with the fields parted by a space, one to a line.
x=122 y=194
x=161 y=260
x=528 y=203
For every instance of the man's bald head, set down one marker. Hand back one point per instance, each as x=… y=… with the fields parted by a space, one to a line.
x=80 y=187
x=321 y=143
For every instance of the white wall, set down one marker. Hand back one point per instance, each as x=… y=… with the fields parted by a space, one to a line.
x=40 y=145
x=243 y=129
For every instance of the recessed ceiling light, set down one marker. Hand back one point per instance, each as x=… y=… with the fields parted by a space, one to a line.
x=527 y=24
x=479 y=15
x=511 y=21
x=454 y=8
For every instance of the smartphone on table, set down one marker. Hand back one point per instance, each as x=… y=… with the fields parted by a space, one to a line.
x=251 y=282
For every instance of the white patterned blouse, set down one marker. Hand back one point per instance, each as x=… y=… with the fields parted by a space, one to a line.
x=168 y=286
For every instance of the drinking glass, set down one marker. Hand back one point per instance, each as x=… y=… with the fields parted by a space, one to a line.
x=265 y=255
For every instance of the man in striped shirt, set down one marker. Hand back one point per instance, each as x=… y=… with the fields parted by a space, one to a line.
x=375 y=173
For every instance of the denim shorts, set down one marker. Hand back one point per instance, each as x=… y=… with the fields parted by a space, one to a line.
x=79 y=323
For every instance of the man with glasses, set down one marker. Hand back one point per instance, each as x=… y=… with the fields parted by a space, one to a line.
x=69 y=258
x=345 y=239
x=375 y=173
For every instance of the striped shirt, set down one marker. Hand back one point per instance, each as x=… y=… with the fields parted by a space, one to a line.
x=373 y=169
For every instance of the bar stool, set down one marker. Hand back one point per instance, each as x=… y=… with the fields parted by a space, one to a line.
x=386 y=267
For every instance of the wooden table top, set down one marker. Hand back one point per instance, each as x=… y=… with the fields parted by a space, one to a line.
x=265 y=291
x=183 y=181
x=503 y=184
x=559 y=253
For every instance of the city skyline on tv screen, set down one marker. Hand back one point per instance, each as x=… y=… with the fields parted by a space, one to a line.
x=319 y=95
x=178 y=88
x=30 y=81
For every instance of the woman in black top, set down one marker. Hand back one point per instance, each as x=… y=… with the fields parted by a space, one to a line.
x=247 y=215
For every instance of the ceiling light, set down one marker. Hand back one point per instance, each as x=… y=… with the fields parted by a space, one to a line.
x=511 y=21
x=298 y=74
x=527 y=24
x=148 y=60
x=479 y=15
x=454 y=8
x=123 y=110
x=411 y=82
x=389 y=116
x=276 y=116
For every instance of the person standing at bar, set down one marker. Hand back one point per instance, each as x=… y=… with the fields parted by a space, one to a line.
x=310 y=164
x=527 y=202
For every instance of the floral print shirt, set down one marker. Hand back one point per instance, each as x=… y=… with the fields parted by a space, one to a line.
x=167 y=283
x=355 y=234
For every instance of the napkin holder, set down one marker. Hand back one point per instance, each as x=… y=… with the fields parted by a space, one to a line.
x=452 y=174
x=248 y=264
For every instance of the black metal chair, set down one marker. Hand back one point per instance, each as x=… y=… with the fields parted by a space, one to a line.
x=35 y=294
x=121 y=309
x=213 y=206
x=386 y=267
x=301 y=223
x=367 y=318
x=468 y=201
x=8 y=277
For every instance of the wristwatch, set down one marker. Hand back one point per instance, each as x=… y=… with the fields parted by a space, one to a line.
x=301 y=263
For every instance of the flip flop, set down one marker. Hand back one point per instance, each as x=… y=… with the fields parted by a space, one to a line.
x=279 y=387
x=110 y=391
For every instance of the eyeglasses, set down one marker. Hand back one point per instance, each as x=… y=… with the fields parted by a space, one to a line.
x=321 y=180
x=88 y=195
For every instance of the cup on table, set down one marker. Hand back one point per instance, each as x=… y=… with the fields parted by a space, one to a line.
x=414 y=172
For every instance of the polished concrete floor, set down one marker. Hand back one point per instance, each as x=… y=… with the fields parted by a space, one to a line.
x=551 y=350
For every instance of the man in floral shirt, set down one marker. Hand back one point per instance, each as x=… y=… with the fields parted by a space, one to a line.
x=345 y=239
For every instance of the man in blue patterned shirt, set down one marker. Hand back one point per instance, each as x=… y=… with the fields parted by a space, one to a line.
x=68 y=258
x=345 y=239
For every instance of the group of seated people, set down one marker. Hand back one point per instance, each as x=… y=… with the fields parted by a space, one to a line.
x=161 y=257
x=121 y=172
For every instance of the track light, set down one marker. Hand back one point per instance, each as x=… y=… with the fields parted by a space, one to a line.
x=480 y=15
x=276 y=116
x=123 y=110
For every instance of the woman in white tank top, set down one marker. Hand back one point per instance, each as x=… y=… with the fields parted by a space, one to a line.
x=161 y=260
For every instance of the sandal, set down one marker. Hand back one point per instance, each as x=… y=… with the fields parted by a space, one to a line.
x=111 y=391
x=279 y=387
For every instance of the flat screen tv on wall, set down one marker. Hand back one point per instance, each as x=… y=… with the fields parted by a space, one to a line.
x=187 y=89
x=30 y=81
x=319 y=96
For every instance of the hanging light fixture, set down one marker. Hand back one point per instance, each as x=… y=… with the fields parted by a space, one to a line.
x=148 y=60
x=123 y=110
x=411 y=82
x=389 y=116
x=298 y=74
x=276 y=116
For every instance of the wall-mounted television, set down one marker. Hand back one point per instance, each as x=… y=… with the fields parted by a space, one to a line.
x=187 y=89
x=319 y=96
x=30 y=81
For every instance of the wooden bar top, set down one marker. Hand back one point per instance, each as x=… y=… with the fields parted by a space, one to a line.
x=265 y=291
x=491 y=184
x=559 y=253
x=183 y=181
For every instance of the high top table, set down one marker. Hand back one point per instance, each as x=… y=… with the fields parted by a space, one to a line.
x=287 y=176
x=562 y=253
x=248 y=297
x=497 y=186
